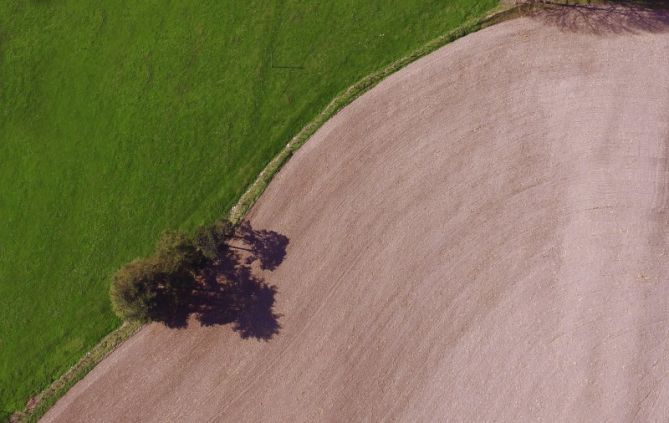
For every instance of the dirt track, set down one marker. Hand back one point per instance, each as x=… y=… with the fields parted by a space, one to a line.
x=482 y=237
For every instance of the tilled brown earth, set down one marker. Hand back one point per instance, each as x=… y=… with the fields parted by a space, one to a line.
x=482 y=237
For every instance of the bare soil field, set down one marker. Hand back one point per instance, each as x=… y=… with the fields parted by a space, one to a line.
x=481 y=237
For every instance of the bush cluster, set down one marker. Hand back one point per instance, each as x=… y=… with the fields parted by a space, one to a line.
x=158 y=286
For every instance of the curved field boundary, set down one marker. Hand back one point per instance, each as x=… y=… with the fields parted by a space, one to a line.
x=248 y=199
x=41 y=403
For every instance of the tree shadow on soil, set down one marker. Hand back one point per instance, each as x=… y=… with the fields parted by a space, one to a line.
x=228 y=291
x=614 y=17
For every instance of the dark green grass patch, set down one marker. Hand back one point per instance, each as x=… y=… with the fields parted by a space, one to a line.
x=121 y=119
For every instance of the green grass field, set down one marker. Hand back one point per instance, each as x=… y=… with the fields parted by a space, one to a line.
x=122 y=119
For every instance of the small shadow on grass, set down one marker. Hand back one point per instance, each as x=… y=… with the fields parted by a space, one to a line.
x=228 y=291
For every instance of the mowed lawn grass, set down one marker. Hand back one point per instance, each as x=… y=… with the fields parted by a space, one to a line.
x=119 y=120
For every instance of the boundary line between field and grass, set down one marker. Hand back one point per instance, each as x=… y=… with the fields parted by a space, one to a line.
x=41 y=403
x=248 y=199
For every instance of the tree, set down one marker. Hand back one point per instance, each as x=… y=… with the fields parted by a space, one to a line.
x=176 y=252
x=160 y=287
x=133 y=290
x=210 y=240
